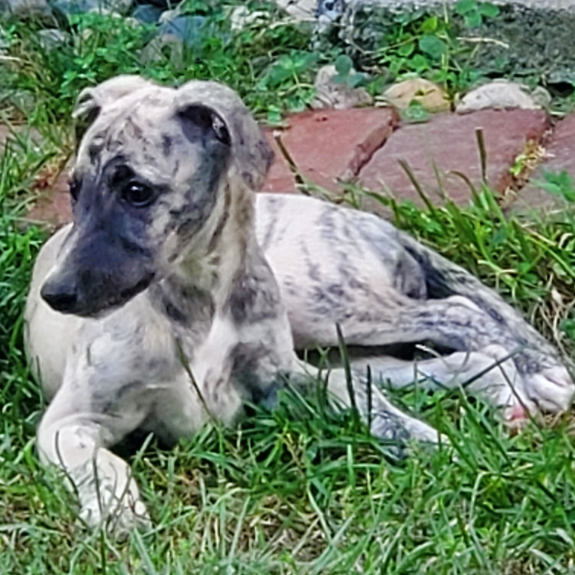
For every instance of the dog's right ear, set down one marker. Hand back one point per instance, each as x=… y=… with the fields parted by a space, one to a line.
x=91 y=101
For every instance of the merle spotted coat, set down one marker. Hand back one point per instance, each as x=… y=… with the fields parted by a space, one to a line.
x=177 y=294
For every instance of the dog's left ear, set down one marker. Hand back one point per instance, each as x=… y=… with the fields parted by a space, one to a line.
x=213 y=105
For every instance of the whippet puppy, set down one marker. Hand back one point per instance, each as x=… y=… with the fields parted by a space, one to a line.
x=177 y=294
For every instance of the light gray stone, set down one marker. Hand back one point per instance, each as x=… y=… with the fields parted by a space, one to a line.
x=299 y=9
x=312 y=9
x=70 y=7
x=21 y=8
x=338 y=95
x=242 y=17
x=535 y=4
x=503 y=94
x=51 y=38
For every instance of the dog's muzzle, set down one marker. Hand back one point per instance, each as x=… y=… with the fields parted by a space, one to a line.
x=98 y=272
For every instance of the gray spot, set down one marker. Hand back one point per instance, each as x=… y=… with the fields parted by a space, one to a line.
x=167 y=144
x=254 y=296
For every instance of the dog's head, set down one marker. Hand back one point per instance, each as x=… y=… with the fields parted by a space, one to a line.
x=158 y=171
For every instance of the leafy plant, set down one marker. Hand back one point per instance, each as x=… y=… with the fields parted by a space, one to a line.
x=474 y=13
x=99 y=46
x=346 y=74
x=561 y=184
x=429 y=45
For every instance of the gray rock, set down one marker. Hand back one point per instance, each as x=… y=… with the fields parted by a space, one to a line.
x=51 y=38
x=187 y=29
x=536 y=4
x=24 y=8
x=241 y=17
x=147 y=13
x=299 y=9
x=331 y=92
x=175 y=35
x=332 y=9
x=162 y=4
x=503 y=94
x=70 y=7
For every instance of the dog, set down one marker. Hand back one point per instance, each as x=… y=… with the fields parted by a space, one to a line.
x=178 y=294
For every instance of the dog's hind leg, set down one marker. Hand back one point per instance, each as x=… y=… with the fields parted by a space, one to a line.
x=489 y=374
x=547 y=381
x=454 y=322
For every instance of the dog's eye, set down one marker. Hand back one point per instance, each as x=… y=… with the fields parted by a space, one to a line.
x=74 y=186
x=138 y=195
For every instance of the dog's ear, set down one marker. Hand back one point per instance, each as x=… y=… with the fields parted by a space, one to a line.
x=91 y=101
x=212 y=105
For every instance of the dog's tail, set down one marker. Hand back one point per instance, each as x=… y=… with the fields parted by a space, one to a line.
x=444 y=279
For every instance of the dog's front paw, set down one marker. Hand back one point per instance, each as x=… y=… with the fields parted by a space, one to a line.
x=552 y=388
x=109 y=496
x=118 y=516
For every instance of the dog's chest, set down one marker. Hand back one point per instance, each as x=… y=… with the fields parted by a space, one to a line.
x=215 y=377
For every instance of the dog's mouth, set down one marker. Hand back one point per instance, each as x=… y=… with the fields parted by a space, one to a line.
x=70 y=297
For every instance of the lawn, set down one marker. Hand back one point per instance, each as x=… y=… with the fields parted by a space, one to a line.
x=302 y=489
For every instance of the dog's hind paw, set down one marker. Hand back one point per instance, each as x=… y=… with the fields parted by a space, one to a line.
x=552 y=389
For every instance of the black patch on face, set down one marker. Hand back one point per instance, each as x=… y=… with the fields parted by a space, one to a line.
x=93 y=153
x=110 y=258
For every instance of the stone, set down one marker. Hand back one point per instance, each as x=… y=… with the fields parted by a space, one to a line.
x=448 y=144
x=188 y=29
x=560 y=154
x=241 y=17
x=161 y=4
x=427 y=94
x=503 y=94
x=52 y=38
x=177 y=33
x=329 y=145
x=301 y=10
x=147 y=13
x=71 y=7
x=25 y=8
x=333 y=91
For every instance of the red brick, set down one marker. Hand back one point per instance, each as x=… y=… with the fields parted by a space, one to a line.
x=53 y=207
x=327 y=145
x=560 y=157
x=280 y=178
x=449 y=142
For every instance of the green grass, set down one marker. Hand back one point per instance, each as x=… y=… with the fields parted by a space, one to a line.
x=301 y=490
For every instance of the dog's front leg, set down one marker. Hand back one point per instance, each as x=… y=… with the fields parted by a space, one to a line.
x=385 y=420
x=74 y=437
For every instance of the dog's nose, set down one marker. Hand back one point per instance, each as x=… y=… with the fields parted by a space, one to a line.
x=61 y=297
